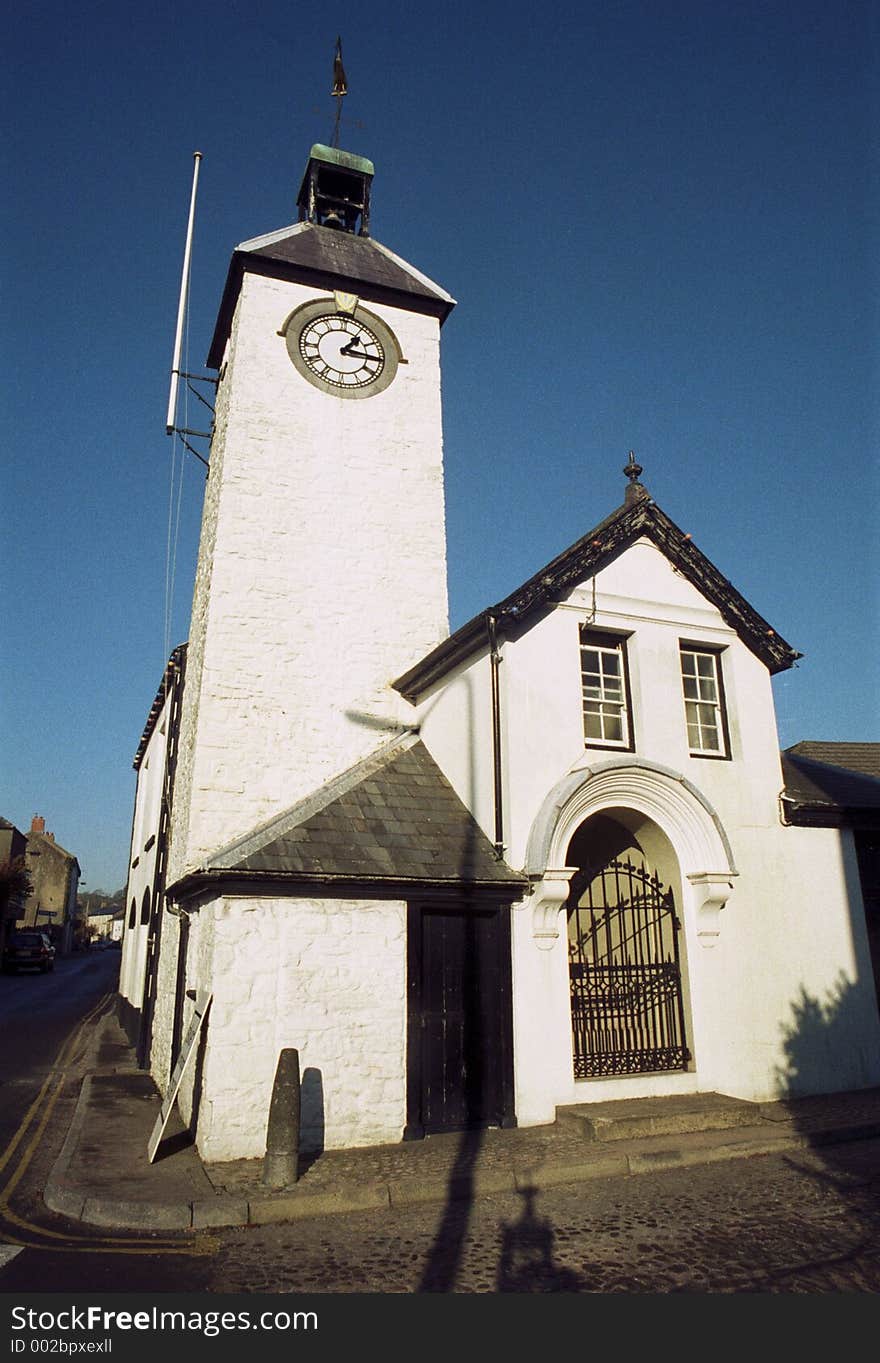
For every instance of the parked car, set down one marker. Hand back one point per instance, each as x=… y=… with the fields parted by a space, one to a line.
x=29 y=951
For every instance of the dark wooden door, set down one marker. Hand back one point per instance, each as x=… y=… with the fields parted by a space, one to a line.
x=459 y=1027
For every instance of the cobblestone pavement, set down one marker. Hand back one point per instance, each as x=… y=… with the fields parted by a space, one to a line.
x=795 y=1223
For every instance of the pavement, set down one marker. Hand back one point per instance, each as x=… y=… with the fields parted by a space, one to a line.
x=103 y=1175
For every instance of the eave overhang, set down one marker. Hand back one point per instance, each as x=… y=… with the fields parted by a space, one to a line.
x=173 y=671
x=636 y=519
x=201 y=885
x=341 y=262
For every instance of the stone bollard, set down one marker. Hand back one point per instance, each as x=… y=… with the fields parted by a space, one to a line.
x=281 y=1162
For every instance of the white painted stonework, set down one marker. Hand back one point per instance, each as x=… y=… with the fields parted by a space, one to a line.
x=326 y=977
x=322 y=572
x=766 y=911
x=321 y=579
x=142 y=861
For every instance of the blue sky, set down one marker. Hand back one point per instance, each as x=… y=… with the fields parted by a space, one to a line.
x=659 y=218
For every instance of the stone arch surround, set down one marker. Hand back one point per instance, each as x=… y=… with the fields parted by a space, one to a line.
x=672 y=802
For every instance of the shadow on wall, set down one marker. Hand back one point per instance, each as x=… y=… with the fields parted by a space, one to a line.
x=826 y=1037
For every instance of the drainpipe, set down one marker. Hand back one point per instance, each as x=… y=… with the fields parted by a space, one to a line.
x=494 y=664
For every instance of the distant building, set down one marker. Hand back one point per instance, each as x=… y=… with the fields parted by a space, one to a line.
x=13 y=846
x=55 y=876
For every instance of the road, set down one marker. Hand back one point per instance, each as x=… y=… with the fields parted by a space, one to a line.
x=802 y=1223
x=37 y=1014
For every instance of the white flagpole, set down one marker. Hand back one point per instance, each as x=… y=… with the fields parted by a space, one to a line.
x=181 y=308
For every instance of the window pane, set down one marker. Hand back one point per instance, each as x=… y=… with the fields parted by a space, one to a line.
x=707 y=688
x=702 y=701
x=614 y=728
x=592 y=722
x=604 y=693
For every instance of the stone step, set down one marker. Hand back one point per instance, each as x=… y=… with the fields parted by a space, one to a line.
x=675 y=1114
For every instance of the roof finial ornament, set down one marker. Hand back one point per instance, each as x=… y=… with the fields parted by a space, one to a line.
x=339 y=91
x=633 y=471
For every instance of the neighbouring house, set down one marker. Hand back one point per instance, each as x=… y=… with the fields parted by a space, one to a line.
x=836 y=787
x=55 y=873
x=13 y=846
x=552 y=857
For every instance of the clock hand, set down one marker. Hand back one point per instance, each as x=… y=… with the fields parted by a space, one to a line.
x=358 y=354
x=346 y=349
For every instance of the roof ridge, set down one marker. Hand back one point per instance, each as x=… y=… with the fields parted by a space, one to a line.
x=587 y=556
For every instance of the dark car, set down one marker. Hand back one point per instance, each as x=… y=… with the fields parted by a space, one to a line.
x=29 y=951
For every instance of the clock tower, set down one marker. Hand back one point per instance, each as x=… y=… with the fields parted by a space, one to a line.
x=322 y=570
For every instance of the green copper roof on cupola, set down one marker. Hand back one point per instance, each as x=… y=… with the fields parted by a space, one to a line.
x=334 y=157
x=335 y=191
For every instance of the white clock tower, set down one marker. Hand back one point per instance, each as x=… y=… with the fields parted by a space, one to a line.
x=322 y=568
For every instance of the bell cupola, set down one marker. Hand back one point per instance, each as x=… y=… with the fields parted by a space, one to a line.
x=335 y=191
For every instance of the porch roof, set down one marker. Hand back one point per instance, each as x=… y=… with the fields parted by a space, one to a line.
x=391 y=820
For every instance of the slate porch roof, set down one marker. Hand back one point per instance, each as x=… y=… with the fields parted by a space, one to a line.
x=328 y=259
x=829 y=784
x=639 y=517
x=392 y=820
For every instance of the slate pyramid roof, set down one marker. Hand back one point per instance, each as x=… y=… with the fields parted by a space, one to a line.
x=392 y=821
x=638 y=518
x=325 y=258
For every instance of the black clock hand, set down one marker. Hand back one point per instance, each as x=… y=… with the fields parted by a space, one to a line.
x=358 y=354
x=346 y=349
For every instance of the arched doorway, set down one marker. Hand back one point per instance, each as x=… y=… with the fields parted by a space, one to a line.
x=626 y=967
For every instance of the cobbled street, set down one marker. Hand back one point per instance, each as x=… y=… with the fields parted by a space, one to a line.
x=798 y=1223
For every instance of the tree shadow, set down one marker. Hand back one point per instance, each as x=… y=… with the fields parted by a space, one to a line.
x=827 y=1036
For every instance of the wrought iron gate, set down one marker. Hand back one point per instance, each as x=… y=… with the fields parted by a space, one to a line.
x=627 y=1010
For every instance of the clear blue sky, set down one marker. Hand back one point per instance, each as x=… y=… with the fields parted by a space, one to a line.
x=659 y=217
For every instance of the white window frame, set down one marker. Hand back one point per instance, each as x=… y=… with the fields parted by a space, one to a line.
x=609 y=703
x=705 y=711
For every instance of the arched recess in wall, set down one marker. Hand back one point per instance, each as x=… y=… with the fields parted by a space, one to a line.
x=132 y=913
x=145 y=906
x=656 y=793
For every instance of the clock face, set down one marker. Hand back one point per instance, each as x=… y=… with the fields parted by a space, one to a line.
x=341 y=351
x=347 y=353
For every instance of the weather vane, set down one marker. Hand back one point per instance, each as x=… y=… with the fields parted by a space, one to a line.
x=339 y=91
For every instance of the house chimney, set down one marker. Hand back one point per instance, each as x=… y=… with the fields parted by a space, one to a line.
x=38 y=824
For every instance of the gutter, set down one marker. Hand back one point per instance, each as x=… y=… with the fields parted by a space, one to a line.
x=494 y=666
x=205 y=883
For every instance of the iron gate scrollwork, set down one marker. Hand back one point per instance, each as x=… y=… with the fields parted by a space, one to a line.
x=627 y=1008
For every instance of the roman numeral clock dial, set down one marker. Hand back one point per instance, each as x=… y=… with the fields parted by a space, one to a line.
x=346 y=355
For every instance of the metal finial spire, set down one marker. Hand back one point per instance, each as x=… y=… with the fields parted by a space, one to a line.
x=632 y=470
x=339 y=91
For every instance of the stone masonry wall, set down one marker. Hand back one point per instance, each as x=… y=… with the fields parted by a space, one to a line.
x=321 y=573
x=327 y=977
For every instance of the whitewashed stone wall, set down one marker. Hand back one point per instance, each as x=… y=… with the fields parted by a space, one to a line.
x=326 y=977
x=166 y=991
x=322 y=573
x=144 y=851
x=791 y=939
